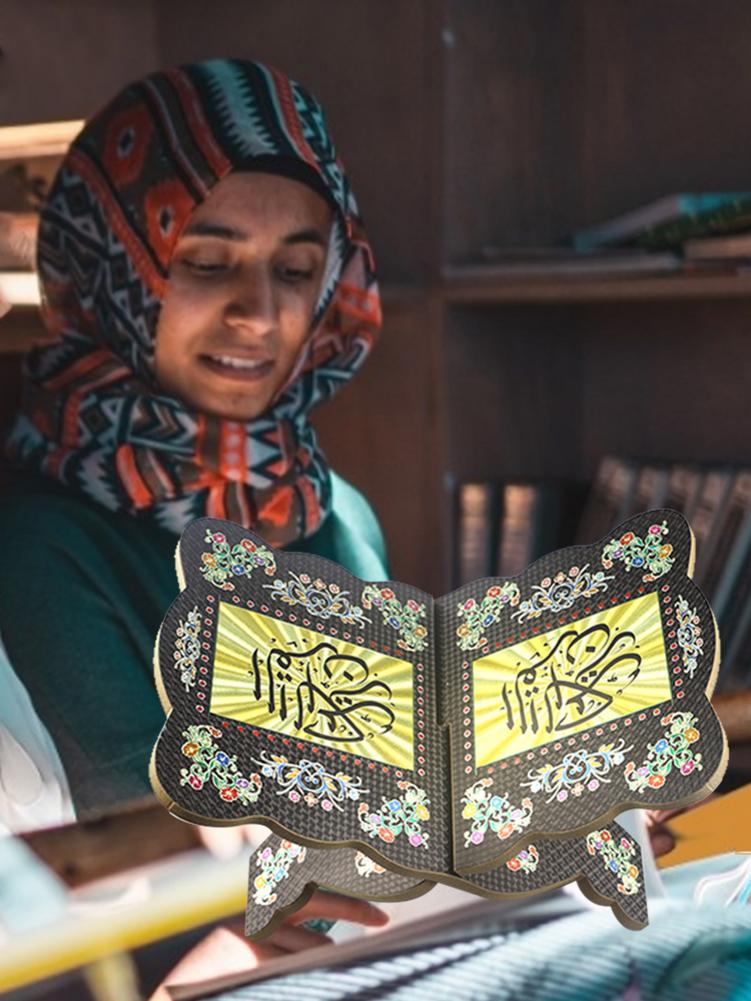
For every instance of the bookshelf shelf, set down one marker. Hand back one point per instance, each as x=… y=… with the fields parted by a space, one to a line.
x=498 y=290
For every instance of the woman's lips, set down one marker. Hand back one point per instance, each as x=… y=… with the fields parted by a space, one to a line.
x=237 y=368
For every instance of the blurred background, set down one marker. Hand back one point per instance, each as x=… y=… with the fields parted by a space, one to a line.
x=558 y=194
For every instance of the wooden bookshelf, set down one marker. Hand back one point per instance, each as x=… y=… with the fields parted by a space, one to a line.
x=499 y=290
x=466 y=124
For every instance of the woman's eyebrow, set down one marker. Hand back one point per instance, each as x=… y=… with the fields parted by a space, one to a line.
x=310 y=235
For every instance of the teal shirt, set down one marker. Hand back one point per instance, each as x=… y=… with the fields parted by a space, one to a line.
x=82 y=594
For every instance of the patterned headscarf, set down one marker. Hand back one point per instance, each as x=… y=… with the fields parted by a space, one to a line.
x=93 y=414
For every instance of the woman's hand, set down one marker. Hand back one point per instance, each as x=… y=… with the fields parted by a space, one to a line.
x=660 y=836
x=226 y=950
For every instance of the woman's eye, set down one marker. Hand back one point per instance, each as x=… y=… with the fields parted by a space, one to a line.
x=293 y=275
x=204 y=267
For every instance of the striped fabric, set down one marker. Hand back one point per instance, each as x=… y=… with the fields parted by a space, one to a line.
x=93 y=415
x=687 y=953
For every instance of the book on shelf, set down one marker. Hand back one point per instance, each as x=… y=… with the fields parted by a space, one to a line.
x=719 y=248
x=728 y=573
x=651 y=488
x=684 y=482
x=670 y=221
x=565 y=264
x=729 y=528
x=500 y=528
x=477 y=514
x=383 y=733
x=609 y=499
x=710 y=503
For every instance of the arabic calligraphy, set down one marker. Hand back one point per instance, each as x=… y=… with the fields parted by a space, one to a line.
x=292 y=680
x=569 y=679
x=333 y=695
x=578 y=678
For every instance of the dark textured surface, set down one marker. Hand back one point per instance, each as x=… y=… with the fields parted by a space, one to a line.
x=561 y=861
x=557 y=828
x=298 y=819
x=612 y=796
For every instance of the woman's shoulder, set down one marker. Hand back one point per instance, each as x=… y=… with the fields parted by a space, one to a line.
x=40 y=516
x=33 y=507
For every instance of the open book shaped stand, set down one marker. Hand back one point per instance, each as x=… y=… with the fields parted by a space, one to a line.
x=486 y=739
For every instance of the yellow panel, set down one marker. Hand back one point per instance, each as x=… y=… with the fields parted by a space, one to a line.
x=559 y=683
x=299 y=683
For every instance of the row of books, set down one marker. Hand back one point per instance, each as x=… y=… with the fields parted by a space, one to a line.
x=502 y=527
x=681 y=233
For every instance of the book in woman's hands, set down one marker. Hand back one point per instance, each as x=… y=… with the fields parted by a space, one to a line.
x=485 y=739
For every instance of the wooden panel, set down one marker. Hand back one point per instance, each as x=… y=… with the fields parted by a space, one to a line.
x=64 y=60
x=367 y=65
x=562 y=114
x=562 y=290
x=547 y=390
x=511 y=382
x=381 y=432
x=666 y=380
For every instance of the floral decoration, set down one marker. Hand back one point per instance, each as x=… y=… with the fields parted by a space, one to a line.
x=578 y=771
x=403 y=815
x=188 y=647
x=556 y=594
x=324 y=601
x=525 y=861
x=477 y=616
x=309 y=782
x=651 y=553
x=211 y=766
x=494 y=812
x=405 y=618
x=274 y=868
x=617 y=856
x=225 y=562
x=366 y=866
x=689 y=635
x=673 y=751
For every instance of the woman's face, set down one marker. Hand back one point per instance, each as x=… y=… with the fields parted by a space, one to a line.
x=243 y=284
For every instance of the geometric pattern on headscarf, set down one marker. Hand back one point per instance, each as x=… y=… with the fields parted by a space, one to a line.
x=93 y=415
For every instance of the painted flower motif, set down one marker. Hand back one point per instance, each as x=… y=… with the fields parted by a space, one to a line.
x=492 y=814
x=275 y=867
x=309 y=781
x=673 y=752
x=319 y=599
x=617 y=858
x=226 y=561
x=552 y=596
x=651 y=552
x=577 y=771
x=212 y=767
x=404 y=815
x=474 y=617
x=525 y=861
x=366 y=867
x=406 y=618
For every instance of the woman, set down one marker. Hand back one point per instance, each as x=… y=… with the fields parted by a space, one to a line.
x=204 y=267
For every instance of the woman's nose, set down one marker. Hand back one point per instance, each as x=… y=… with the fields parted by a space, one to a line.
x=251 y=304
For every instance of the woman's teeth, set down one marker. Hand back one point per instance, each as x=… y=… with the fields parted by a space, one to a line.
x=244 y=363
x=242 y=369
